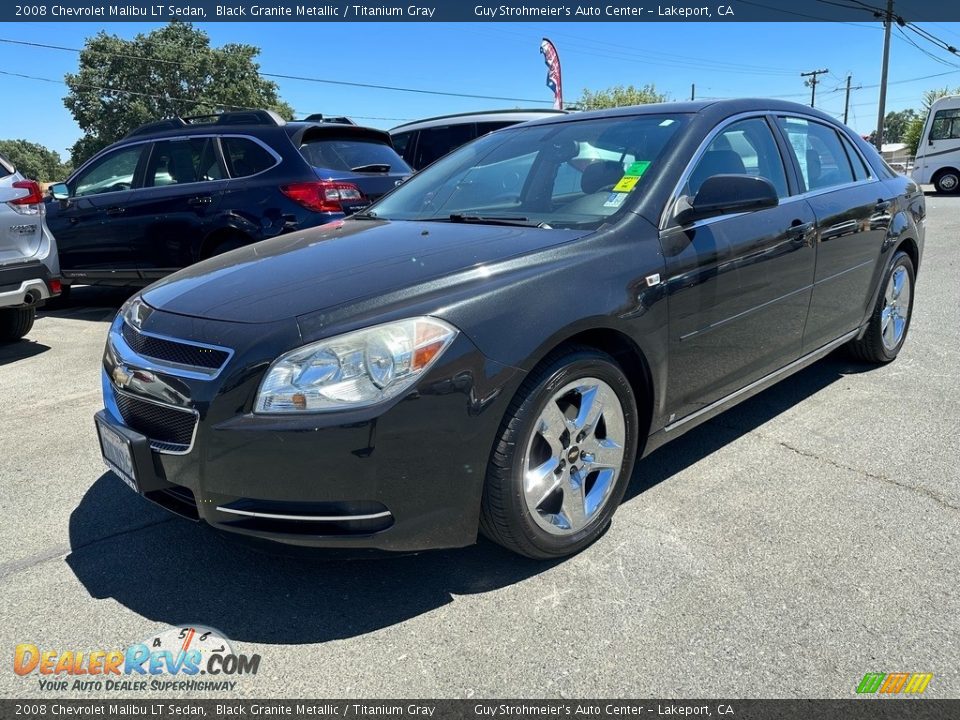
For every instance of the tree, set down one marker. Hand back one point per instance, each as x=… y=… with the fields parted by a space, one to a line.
x=618 y=96
x=34 y=161
x=895 y=124
x=914 y=130
x=170 y=71
x=912 y=136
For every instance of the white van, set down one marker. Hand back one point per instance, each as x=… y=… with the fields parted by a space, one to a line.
x=938 y=155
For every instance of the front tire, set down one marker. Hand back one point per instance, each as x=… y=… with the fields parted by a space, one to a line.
x=563 y=458
x=890 y=321
x=16 y=322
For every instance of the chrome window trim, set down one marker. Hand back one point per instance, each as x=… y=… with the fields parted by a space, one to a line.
x=667 y=214
x=143 y=362
x=216 y=136
x=162 y=446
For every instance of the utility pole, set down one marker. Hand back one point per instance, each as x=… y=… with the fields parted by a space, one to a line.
x=813 y=83
x=881 y=111
x=846 y=103
x=693 y=92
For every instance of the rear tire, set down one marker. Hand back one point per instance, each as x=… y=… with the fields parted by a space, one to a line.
x=947 y=181
x=890 y=321
x=564 y=456
x=16 y=322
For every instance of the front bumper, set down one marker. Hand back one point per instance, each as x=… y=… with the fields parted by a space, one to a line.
x=406 y=476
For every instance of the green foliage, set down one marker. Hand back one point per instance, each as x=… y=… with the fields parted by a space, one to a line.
x=912 y=135
x=34 y=161
x=618 y=96
x=170 y=71
x=895 y=125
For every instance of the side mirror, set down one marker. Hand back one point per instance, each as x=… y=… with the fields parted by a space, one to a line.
x=725 y=195
x=60 y=191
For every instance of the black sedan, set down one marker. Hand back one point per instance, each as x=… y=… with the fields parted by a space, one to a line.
x=493 y=344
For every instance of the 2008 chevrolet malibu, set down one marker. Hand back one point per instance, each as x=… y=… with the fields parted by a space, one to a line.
x=493 y=345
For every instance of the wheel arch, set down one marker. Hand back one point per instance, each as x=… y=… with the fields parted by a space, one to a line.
x=631 y=359
x=214 y=238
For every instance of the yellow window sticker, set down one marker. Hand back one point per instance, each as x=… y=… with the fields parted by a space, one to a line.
x=626 y=184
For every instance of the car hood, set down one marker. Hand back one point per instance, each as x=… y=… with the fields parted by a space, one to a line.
x=324 y=267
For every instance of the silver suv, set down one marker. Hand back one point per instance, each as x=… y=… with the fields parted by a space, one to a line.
x=29 y=271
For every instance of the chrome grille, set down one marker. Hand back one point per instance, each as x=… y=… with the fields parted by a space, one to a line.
x=171 y=351
x=169 y=429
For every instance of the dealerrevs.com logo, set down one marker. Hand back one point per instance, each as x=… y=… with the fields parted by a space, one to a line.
x=181 y=658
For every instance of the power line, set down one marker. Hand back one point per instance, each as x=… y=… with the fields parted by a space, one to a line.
x=394 y=88
x=193 y=101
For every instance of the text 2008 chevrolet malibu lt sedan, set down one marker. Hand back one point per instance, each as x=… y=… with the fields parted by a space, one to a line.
x=494 y=344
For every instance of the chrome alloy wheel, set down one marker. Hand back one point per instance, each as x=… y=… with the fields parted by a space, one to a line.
x=896 y=309
x=574 y=456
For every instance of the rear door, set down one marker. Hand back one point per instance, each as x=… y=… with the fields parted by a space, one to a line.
x=183 y=186
x=738 y=285
x=853 y=216
x=93 y=236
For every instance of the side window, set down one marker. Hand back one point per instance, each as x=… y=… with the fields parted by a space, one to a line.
x=746 y=147
x=436 y=142
x=488 y=127
x=245 y=157
x=111 y=173
x=402 y=142
x=175 y=162
x=860 y=170
x=946 y=125
x=822 y=159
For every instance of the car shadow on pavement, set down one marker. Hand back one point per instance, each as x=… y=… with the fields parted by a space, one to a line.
x=20 y=350
x=172 y=571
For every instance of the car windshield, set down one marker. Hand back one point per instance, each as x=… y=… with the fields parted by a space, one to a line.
x=351 y=154
x=563 y=175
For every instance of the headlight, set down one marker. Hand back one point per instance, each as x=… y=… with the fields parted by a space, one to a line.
x=354 y=370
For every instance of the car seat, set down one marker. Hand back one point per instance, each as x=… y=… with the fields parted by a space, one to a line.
x=599 y=175
x=715 y=162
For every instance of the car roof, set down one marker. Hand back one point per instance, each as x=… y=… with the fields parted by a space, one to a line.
x=519 y=115
x=713 y=109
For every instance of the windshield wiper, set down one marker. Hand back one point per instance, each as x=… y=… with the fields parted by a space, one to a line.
x=372 y=167
x=494 y=220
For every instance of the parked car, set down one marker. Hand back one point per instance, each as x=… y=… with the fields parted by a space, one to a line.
x=180 y=190
x=458 y=356
x=423 y=141
x=29 y=273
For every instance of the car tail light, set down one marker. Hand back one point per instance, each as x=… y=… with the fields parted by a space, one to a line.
x=32 y=202
x=55 y=286
x=325 y=195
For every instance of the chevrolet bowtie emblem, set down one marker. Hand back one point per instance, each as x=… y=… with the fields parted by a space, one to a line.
x=121 y=377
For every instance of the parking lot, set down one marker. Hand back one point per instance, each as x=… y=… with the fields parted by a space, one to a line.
x=783 y=549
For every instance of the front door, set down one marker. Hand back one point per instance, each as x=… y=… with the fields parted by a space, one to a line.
x=92 y=232
x=738 y=285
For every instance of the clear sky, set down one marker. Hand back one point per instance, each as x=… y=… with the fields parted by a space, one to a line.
x=723 y=60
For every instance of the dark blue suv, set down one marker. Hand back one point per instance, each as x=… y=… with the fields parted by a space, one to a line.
x=177 y=191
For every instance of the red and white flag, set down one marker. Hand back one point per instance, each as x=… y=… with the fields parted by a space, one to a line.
x=554 y=81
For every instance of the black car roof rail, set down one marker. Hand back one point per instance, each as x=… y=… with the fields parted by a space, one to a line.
x=236 y=117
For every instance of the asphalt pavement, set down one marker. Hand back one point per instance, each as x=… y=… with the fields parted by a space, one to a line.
x=784 y=549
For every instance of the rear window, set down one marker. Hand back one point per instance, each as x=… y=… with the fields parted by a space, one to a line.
x=6 y=167
x=352 y=155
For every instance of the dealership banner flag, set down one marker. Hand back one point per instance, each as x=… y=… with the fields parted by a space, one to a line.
x=554 y=80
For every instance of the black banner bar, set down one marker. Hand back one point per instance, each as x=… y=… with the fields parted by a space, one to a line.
x=873 y=708
x=472 y=11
